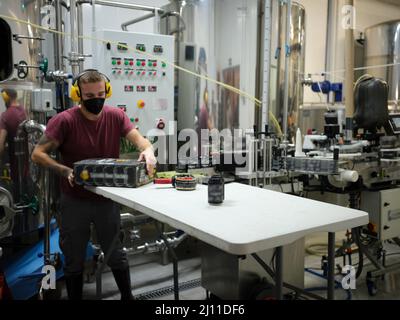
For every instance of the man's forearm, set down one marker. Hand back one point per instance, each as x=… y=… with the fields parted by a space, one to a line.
x=46 y=161
x=142 y=143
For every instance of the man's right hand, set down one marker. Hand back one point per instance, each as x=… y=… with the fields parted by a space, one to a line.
x=71 y=178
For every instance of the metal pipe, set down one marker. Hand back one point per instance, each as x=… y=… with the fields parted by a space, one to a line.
x=349 y=59
x=153 y=14
x=156 y=21
x=59 y=53
x=99 y=271
x=269 y=168
x=128 y=6
x=58 y=61
x=64 y=5
x=158 y=245
x=46 y=214
x=331 y=266
x=264 y=144
x=74 y=38
x=180 y=20
x=135 y=219
x=72 y=12
x=319 y=106
x=136 y=20
x=259 y=59
x=20 y=142
x=80 y=2
x=256 y=160
x=93 y=17
x=330 y=30
x=79 y=20
x=174 y=262
x=287 y=55
x=266 y=62
x=279 y=273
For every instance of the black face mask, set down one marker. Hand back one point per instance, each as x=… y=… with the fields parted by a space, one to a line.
x=94 y=105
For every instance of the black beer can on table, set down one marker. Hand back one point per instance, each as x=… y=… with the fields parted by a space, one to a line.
x=216 y=190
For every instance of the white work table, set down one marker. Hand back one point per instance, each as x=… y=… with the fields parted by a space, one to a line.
x=249 y=220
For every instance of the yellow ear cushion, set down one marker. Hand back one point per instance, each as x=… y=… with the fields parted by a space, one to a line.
x=5 y=97
x=75 y=93
x=108 y=90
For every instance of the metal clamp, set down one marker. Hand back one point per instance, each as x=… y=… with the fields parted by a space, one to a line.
x=75 y=58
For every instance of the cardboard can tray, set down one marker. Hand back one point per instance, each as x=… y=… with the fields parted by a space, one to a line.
x=111 y=173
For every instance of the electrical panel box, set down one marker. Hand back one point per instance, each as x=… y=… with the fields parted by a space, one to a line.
x=42 y=100
x=383 y=208
x=142 y=83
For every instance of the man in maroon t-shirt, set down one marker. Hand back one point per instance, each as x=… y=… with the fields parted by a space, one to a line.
x=90 y=130
x=9 y=122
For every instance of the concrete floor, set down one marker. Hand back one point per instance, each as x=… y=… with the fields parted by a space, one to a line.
x=149 y=275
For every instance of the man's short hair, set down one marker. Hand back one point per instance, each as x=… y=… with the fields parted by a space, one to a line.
x=12 y=94
x=91 y=77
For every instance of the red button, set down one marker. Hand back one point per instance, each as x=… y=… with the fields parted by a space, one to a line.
x=161 y=125
x=136 y=119
x=119 y=62
x=131 y=63
x=155 y=64
x=143 y=64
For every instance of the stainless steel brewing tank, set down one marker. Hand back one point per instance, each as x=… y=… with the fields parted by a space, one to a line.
x=382 y=46
x=296 y=65
x=218 y=39
x=23 y=49
x=22 y=38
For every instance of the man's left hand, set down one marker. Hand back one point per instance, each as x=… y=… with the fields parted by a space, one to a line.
x=148 y=156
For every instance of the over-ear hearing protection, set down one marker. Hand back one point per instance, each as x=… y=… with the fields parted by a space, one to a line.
x=5 y=96
x=75 y=92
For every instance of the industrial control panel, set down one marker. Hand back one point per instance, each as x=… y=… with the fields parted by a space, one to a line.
x=142 y=83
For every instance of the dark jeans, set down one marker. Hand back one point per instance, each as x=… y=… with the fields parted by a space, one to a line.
x=76 y=217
